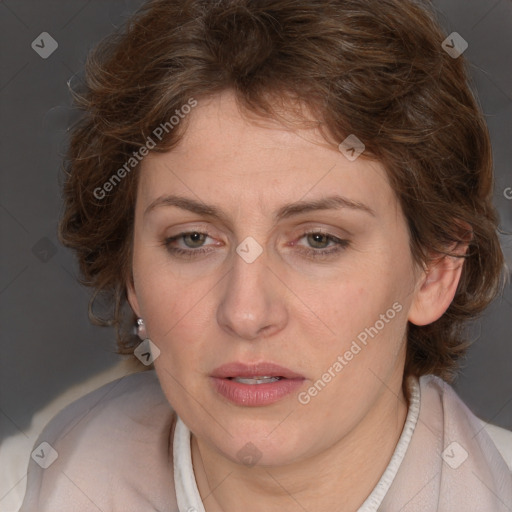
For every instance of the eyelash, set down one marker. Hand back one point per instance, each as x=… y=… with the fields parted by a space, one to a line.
x=339 y=246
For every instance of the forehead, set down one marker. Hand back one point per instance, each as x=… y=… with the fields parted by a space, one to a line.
x=227 y=157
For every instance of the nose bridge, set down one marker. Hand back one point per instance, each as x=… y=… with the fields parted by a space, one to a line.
x=251 y=305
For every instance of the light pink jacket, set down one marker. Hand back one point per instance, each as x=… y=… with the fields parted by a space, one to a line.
x=115 y=454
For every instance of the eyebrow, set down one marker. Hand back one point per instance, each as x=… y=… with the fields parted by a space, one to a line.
x=333 y=202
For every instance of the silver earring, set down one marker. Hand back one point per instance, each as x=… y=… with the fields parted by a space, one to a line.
x=141 y=329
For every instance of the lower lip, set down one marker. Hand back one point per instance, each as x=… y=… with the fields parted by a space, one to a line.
x=255 y=395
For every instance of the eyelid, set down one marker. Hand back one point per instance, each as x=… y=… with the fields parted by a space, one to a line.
x=168 y=239
x=202 y=229
x=302 y=232
x=314 y=227
x=338 y=244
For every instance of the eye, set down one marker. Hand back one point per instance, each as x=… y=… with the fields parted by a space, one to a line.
x=194 y=240
x=321 y=244
x=320 y=241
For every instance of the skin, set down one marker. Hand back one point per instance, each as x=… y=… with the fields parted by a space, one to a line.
x=285 y=307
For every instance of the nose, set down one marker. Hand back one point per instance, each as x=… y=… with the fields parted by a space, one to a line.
x=252 y=304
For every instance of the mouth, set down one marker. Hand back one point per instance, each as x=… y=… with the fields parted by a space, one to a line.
x=255 y=380
x=255 y=385
x=254 y=372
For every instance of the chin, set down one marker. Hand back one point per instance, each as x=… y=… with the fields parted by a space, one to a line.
x=265 y=445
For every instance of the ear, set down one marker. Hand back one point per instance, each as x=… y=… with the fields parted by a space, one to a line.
x=437 y=287
x=132 y=296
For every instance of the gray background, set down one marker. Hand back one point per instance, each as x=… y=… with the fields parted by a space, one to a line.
x=47 y=341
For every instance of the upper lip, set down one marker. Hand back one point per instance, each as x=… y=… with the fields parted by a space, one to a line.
x=238 y=369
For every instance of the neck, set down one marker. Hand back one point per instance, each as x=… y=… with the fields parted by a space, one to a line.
x=339 y=478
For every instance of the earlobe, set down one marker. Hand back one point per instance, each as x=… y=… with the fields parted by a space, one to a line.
x=436 y=288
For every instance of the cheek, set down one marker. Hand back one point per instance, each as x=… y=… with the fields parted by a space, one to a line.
x=174 y=313
x=353 y=297
x=331 y=310
x=167 y=302
x=352 y=311
x=363 y=314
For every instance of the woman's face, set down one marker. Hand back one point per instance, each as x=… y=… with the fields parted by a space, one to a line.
x=269 y=275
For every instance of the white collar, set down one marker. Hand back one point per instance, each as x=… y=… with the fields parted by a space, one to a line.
x=187 y=493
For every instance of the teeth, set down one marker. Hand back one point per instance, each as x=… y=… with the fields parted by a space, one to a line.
x=256 y=380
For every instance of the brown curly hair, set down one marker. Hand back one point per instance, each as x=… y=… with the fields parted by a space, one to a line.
x=374 y=68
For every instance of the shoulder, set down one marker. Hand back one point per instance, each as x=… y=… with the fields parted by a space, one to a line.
x=109 y=450
x=459 y=416
x=502 y=439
